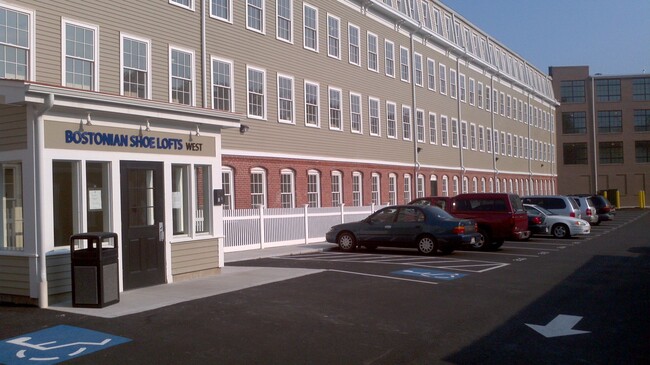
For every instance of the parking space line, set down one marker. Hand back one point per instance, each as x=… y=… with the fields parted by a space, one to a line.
x=384 y=277
x=501 y=253
x=461 y=268
x=532 y=248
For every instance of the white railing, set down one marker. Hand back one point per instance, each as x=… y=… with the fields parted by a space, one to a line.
x=247 y=229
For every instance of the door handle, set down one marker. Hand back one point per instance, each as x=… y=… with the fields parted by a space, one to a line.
x=387 y=227
x=161 y=231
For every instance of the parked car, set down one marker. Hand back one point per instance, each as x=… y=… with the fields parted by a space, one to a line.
x=587 y=209
x=604 y=208
x=562 y=226
x=499 y=216
x=426 y=228
x=558 y=204
x=537 y=223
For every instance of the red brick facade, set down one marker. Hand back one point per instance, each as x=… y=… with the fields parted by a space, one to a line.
x=241 y=167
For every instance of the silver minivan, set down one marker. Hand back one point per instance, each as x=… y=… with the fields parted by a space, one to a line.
x=587 y=209
x=558 y=204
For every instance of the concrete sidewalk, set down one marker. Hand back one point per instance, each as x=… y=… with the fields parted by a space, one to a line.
x=229 y=279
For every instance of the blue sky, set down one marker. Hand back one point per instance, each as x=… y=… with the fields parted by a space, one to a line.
x=612 y=37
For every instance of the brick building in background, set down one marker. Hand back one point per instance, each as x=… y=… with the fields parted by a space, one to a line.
x=603 y=132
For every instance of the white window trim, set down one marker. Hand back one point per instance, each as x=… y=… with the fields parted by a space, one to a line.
x=263 y=30
x=31 y=74
x=376 y=37
x=318 y=106
x=175 y=3
x=277 y=15
x=371 y=99
x=263 y=71
x=431 y=72
x=407 y=64
x=411 y=121
x=359 y=175
x=139 y=39
x=229 y=20
x=417 y=126
x=375 y=178
x=433 y=133
x=473 y=139
x=293 y=99
x=360 y=130
x=292 y=174
x=394 y=105
x=232 y=81
x=444 y=129
x=95 y=28
x=419 y=83
x=231 y=181
x=259 y=170
x=340 y=187
x=169 y=61
x=316 y=173
x=464 y=135
x=358 y=62
x=329 y=114
x=392 y=44
x=329 y=53
x=304 y=25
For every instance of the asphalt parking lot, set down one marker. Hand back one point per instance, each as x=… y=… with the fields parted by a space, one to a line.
x=583 y=300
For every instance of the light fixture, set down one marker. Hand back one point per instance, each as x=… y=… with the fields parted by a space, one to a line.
x=243 y=128
x=88 y=120
x=190 y=136
x=542 y=165
x=419 y=149
x=148 y=126
x=140 y=132
x=81 y=125
x=198 y=133
x=496 y=159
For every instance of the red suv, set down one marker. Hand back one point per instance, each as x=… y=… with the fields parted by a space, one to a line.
x=499 y=216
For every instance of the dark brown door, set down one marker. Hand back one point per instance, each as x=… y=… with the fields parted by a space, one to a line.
x=434 y=187
x=143 y=230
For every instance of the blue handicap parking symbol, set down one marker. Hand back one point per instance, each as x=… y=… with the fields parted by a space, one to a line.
x=54 y=345
x=429 y=274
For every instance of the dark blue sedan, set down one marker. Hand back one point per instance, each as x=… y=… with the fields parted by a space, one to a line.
x=427 y=228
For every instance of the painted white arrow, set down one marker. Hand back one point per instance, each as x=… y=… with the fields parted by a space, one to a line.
x=562 y=325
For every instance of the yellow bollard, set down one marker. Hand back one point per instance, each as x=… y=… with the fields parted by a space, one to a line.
x=618 y=199
x=605 y=194
x=641 y=199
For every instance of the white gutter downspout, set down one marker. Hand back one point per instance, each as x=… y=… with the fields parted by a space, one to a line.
x=204 y=61
x=416 y=168
x=39 y=138
x=460 y=124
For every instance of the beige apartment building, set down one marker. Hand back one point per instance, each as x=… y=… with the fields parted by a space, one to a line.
x=604 y=137
x=148 y=118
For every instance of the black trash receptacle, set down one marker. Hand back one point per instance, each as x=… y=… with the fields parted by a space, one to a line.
x=95 y=282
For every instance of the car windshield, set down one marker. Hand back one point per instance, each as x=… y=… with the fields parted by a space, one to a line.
x=545 y=211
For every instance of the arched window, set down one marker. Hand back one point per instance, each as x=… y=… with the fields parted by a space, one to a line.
x=392 y=189
x=313 y=188
x=258 y=187
x=287 y=189
x=445 y=185
x=337 y=188
x=357 y=189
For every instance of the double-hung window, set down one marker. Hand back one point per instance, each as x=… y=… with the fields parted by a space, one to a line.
x=389 y=58
x=406 y=122
x=417 y=65
x=189 y=4
x=391 y=120
x=335 y=113
x=407 y=188
x=136 y=63
x=181 y=76
x=258 y=188
x=431 y=74
x=222 y=9
x=255 y=15
x=453 y=85
x=442 y=76
x=337 y=188
x=16 y=33
x=222 y=85
x=355 y=113
x=310 y=24
x=80 y=49
x=392 y=189
x=284 y=22
x=373 y=62
x=227 y=185
x=373 y=116
x=333 y=37
x=444 y=130
x=287 y=193
x=404 y=64
x=433 y=129
x=11 y=209
x=375 y=188
x=419 y=123
x=312 y=104
x=256 y=90
x=357 y=189
x=285 y=99
x=454 y=132
x=354 y=45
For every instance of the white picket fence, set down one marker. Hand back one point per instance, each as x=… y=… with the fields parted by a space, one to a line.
x=248 y=229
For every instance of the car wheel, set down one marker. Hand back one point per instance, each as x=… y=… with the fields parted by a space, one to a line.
x=483 y=241
x=560 y=231
x=347 y=242
x=427 y=245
